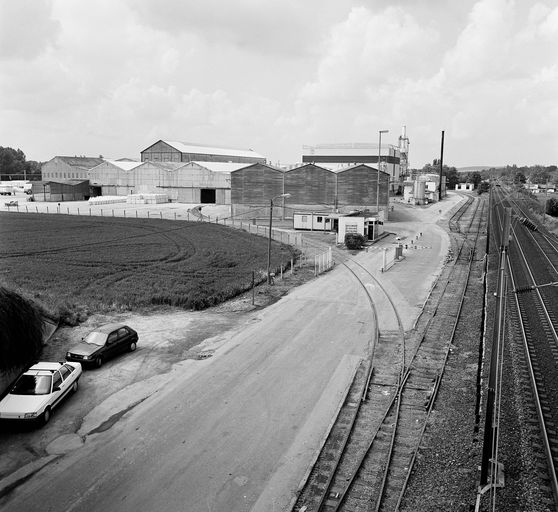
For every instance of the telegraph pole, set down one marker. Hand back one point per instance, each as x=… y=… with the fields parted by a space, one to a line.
x=441 y=165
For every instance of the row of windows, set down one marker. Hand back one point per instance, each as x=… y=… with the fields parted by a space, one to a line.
x=67 y=175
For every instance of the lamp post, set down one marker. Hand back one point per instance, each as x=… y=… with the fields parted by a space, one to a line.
x=379 y=156
x=269 y=239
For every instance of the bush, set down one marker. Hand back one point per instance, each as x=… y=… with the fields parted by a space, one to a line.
x=354 y=241
x=552 y=207
x=20 y=330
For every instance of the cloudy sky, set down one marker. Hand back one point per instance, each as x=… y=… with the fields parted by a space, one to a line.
x=112 y=77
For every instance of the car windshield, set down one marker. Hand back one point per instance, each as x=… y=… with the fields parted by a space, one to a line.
x=32 y=385
x=96 y=338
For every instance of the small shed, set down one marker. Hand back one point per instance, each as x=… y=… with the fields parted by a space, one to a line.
x=370 y=227
x=61 y=190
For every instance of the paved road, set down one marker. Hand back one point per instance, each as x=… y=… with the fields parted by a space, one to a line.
x=215 y=439
x=237 y=432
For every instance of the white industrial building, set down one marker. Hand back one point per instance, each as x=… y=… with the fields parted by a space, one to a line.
x=185 y=182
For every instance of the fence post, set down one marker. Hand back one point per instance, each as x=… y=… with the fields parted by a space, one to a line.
x=136 y=214
x=124 y=213
x=101 y=212
x=174 y=215
x=148 y=214
x=36 y=208
x=78 y=211
x=47 y=209
x=68 y=209
x=113 y=213
x=90 y=212
x=161 y=212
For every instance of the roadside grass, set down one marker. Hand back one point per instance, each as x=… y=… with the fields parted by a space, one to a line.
x=75 y=266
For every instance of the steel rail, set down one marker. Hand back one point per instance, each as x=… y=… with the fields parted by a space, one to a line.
x=534 y=387
x=536 y=290
x=442 y=371
x=326 y=488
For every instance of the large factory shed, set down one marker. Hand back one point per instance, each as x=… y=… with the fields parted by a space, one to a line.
x=339 y=156
x=192 y=182
x=61 y=190
x=310 y=188
x=174 y=151
x=69 y=167
x=114 y=178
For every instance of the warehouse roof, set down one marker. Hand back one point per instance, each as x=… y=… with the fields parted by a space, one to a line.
x=189 y=147
x=125 y=165
x=221 y=166
x=84 y=162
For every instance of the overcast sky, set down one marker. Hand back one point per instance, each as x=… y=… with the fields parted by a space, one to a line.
x=112 y=77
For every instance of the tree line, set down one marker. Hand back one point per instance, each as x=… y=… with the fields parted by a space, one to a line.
x=14 y=166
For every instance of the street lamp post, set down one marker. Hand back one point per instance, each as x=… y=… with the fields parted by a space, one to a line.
x=269 y=238
x=379 y=156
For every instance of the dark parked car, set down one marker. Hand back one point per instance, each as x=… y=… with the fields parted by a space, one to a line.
x=103 y=343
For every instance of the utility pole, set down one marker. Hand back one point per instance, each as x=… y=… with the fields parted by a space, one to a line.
x=441 y=165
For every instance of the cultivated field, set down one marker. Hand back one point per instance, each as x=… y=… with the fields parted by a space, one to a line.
x=79 y=265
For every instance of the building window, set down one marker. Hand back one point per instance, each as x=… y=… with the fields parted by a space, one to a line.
x=304 y=218
x=319 y=219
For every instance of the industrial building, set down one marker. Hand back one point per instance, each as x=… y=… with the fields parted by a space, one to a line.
x=191 y=182
x=424 y=189
x=173 y=151
x=339 y=156
x=68 y=167
x=61 y=190
x=310 y=187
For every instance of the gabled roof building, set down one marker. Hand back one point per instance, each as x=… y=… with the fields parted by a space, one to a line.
x=69 y=167
x=174 y=151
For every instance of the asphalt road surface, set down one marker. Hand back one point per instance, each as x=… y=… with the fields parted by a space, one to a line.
x=219 y=435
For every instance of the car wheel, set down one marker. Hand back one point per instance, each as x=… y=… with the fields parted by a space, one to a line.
x=75 y=386
x=46 y=416
x=99 y=362
x=133 y=346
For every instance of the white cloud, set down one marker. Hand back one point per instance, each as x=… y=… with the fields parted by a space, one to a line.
x=26 y=28
x=274 y=75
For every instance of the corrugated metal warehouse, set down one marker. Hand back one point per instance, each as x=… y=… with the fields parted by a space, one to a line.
x=174 y=151
x=192 y=182
x=310 y=187
x=114 y=178
x=61 y=190
x=311 y=184
x=337 y=156
x=68 y=167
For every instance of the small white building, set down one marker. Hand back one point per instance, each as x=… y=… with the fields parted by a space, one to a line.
x=314 y=221
x=466 y=187
x=370 y=227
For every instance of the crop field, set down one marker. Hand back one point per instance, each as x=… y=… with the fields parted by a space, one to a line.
x=77 y=265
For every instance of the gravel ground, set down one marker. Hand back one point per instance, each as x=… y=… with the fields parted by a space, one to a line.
x=447 y=472
x=445 y=475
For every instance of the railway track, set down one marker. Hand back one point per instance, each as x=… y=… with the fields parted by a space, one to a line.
x=367 y=459
x=533 y=309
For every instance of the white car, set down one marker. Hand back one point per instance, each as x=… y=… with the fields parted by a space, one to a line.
x=39 y=390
